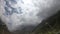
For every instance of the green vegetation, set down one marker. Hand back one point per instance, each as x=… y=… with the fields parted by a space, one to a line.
x=52 y=26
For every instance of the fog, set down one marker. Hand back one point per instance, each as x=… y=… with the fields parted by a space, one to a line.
x=25 y=15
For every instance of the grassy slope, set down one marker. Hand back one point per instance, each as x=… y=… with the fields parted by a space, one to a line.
x=52 y=28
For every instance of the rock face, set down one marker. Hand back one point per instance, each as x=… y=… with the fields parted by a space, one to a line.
x=25 y=15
